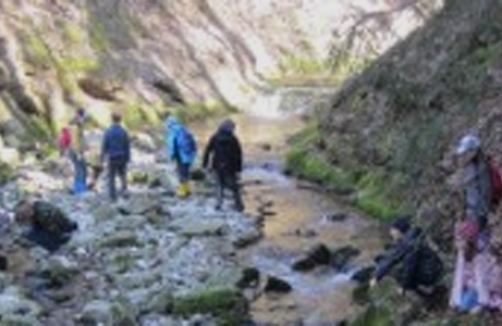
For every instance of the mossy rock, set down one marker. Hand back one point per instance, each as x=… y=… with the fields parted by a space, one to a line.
x=6 y=173
x=374 y=316
x=119 y=239
x=228 y=306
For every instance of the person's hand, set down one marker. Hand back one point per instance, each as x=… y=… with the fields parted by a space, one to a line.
x=373 y=282
x=401 y=291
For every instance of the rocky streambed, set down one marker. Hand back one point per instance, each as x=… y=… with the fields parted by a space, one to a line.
x=152 y=259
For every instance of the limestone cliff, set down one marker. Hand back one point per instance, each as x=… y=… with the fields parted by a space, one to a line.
x=139 y=56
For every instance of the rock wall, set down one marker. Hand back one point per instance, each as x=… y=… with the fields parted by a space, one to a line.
x=392 y=129
x=139 y=56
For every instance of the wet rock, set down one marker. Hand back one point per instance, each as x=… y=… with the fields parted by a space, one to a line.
x=364 y=275
x=266 y=147
x=102 y=312
x=57 y=272
x=335 y=217
x=250 y=278
x=277 y=285
x=139 y=205
x=4 y=264
x=247 y=238
x=16 y=320
x=144 y=142
x=131 y=222
x=137 y=177
x=161 y=302
x=14 y=303
x=308 y=234
x=105 y=212
x=341 y=257
x=361 y=294
x=119 y=239
x=198 y=175
x=318 y=255
x=198 y=227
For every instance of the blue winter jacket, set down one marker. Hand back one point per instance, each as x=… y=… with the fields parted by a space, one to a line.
x=174 y=131
x=116 y=146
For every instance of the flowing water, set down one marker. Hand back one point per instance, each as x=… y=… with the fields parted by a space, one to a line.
x=295 y=220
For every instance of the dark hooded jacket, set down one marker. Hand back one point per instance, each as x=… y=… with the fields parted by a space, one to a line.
x=419 y=264
x=223 y=153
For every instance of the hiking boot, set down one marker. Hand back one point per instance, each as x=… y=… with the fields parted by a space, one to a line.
x=183 y=190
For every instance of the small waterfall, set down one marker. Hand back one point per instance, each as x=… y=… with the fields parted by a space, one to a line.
x=286 y=101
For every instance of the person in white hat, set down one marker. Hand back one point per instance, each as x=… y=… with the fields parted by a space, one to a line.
x=477 y=183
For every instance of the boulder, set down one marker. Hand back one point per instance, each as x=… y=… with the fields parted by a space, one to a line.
x=199 y=227
x=144 y=142
x=124 y=238
x=139 y=204
x=102 y=312
x=277 y=285
x=250 y=277
x=341 y=257
x=14 y=303
x=364 y=274
x=247 y=238
x=318 y=255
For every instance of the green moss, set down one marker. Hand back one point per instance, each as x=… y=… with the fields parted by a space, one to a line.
x=73 y=33
x=37 y=52
x=98 y=37
x=228 y=306
x=198 y=111
x=374 y=316
x=6 y=173
x=374 y=192
x=78 y=64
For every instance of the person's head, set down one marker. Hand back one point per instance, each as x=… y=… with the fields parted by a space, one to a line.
x=116 y=117
x=468 y=148
x=24 y=212
x=227 y=125
x=172 y=121
x=399 y=227
x=81 y=112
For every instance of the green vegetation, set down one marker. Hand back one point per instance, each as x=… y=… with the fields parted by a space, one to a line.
x=307 y=70
x=6 y=173
x=98 y=37
x=37 y=52
x=373 y=192
x=197 y=111
x=78 y=64
x=73 y=33
x=228 y=306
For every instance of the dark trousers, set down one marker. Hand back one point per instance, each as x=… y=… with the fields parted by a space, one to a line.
x=228 y=180
x=116 y=168
x=183 y=171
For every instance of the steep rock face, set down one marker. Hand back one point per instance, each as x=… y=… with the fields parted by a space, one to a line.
x=57 y=55
x=394 y=126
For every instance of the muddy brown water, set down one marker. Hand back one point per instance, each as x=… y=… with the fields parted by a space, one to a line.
x=295 y=221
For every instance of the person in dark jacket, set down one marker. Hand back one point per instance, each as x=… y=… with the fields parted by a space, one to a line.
x=116 y=150
x=420 y=267
x=223 y=156
x=48 y=225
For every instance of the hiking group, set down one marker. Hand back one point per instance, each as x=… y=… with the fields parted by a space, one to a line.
x=49 y=227
x=477 y=273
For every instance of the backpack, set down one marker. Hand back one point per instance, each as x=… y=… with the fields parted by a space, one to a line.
x=185 y=142
x=496 y=182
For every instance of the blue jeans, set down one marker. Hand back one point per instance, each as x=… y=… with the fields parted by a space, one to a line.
x=183 y=171
x=79 y=172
